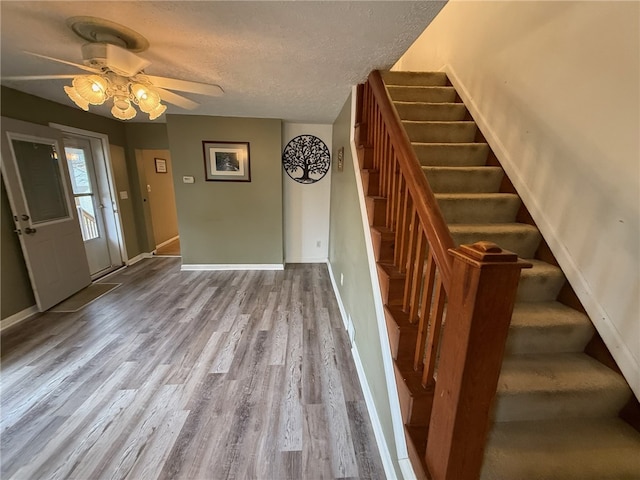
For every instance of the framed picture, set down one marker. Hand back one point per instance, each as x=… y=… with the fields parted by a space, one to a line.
x=226 y=161
x=161 y=165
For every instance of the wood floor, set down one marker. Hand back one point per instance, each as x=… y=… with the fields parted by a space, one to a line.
x=179 y=375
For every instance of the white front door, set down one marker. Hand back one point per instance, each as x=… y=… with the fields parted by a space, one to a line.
x=88 y=202
x=38 y=185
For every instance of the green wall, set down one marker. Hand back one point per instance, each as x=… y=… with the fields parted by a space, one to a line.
x=15 y=286
x=228 y=222
x=348 y=257
x=15 y=291
x=29 y=108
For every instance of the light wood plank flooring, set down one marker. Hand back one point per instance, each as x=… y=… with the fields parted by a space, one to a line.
x=179 y=375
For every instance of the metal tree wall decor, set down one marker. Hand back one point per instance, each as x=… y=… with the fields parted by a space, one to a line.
x=306 y=159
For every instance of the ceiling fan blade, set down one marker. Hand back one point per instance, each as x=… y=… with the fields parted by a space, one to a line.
x=186 y=86
x=77 y=65
x=176 y=99
x=38 y=77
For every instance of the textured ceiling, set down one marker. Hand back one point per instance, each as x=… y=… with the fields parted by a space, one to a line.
x=294 y=60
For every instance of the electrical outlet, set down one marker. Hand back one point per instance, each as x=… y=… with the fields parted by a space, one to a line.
x=318 y=244
x=341 y=279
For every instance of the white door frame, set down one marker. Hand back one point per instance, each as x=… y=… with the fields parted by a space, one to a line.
x=104 y=142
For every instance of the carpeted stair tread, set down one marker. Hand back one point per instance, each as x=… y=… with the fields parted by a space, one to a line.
x=464 y=179
x=566 y=449
x=478 y=207
x=561 y=385
x=415 y=78
x=519 y=238
x=547 y=327
x=556 y=408
x=451 y=154
x=422 y=94
x=440 y=132
x=431 y=111
x=540 y=283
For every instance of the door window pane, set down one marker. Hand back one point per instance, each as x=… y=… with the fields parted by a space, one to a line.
x=41 y=180
x=87 y=216
x=78 y=170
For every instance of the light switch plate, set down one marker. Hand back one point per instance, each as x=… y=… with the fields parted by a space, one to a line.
x=188 y=179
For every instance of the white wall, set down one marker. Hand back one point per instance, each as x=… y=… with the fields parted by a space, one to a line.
x=306 y=206
x=555 y=86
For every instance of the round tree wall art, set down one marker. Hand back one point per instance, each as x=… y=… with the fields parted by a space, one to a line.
x=306 y=159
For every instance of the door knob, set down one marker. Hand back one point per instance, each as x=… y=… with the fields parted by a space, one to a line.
x=24 y=217
x=29 y=231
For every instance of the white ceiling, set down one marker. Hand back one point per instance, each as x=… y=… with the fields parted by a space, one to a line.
x=294 y=60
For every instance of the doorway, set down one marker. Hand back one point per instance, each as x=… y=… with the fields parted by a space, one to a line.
x=94 y=199
x=158 y=183
x=38 y=186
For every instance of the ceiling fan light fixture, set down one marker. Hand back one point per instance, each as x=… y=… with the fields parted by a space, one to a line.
x=156 y=112
x=77 y=99
x=146 y=97
x=92 y=88
x=122 y=109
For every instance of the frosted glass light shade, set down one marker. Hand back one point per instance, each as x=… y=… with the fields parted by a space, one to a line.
x=77 y=99
x=92 y=88
x=122 y=109
x=148 y=99
x=156 y=112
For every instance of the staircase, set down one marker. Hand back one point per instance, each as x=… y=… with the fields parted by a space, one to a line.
x=556 y=409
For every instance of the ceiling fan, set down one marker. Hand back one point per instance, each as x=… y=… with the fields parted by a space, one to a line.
x=116 y=72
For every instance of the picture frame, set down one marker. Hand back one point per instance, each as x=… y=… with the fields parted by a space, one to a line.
x=161 y=165
x=226 y=161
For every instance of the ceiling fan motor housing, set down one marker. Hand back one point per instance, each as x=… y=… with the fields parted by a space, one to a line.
x=112 y=57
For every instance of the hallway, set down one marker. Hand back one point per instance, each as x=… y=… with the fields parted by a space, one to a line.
x=188 y=375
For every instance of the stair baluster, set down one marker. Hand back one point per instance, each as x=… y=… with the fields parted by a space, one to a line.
x=412 y=243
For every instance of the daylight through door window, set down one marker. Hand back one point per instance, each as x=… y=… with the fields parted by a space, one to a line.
x=82 y=192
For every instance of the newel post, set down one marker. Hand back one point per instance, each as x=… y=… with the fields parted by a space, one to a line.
x=481 y=298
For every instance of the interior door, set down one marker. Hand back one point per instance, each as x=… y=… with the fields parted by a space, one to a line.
x=88 y=203
x=37 y=180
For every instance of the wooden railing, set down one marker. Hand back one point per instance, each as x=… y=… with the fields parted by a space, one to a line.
x=456 y=301
x=88 y=224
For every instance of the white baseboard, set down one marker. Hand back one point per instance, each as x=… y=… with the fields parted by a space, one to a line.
x=18 y=317
x=387 y=359
x=167 y=242
x=306 y=260
x=597 y=313
x=231 y=266
x=407 y=469
x=383 y=448
x=137 y=258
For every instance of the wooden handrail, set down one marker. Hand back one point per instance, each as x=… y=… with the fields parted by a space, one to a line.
x=429 y=287
x=424 y=200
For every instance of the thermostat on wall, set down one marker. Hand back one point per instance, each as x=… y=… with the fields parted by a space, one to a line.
x=188 y=179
